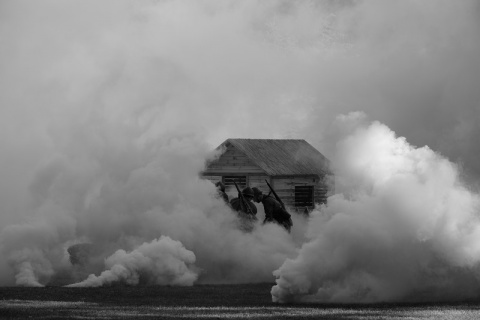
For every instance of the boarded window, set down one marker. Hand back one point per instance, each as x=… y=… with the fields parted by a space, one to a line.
x=240 y=180
x=304 y=196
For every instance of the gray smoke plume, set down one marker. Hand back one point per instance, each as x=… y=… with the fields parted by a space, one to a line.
x=160 y=262
x=108 y=111
x=404 y=227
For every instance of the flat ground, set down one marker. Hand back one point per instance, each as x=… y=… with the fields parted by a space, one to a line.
x=252 y=301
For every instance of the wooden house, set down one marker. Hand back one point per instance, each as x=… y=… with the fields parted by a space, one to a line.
x=298 y=172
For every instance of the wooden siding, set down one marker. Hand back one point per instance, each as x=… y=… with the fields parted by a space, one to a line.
x=259 y=182
x=237 y=162
x=229 y=181
x=232 y=162
x=285 y=188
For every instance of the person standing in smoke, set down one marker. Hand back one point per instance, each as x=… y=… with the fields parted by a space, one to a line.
x=221 y=192
x=274 y=211
x=246 y=209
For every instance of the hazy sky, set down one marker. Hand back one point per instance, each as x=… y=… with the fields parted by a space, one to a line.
x=225 y=69
x=106 y=104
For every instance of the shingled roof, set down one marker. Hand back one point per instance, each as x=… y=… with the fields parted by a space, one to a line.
x=282 y=157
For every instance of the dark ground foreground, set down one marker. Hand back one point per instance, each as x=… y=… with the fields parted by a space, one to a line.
x=251 y=301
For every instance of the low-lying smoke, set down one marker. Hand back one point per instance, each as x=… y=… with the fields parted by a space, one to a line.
x=160 y=262
x=403 y=228
x=117 y=207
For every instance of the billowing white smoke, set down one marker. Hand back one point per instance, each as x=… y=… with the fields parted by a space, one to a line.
x=117 y=191
x=121 y=201
x=28 y=273
x=404 y=227
x=109 y=109
x=125 y=102
x=34 y=250
x=160 y=262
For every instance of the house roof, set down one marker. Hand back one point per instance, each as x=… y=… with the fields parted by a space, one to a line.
x=279 y=157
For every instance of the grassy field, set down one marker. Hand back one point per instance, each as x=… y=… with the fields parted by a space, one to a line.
x=252 y=301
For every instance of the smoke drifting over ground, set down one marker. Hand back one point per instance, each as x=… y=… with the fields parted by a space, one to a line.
x=109 y=109
x=405 y=228
x=162 y=261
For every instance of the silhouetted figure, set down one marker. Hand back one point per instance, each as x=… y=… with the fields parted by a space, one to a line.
x=274 y=212
x=247 y=211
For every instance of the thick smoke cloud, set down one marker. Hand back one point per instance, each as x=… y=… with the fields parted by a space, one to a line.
x=109 y=109
x=160 y=262
x=405 y=227
x=105 y=125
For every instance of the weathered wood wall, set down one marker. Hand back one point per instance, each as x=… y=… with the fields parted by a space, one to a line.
x=259 y=182
x=285 y=188
x=232 y=162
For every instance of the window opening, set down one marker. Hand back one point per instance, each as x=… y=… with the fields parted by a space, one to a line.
x=304 y=196
x=240 y=180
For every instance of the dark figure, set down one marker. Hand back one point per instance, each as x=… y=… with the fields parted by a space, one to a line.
x=247 y=215
x=274 y=212
x=238 y=205
x=221 y=191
